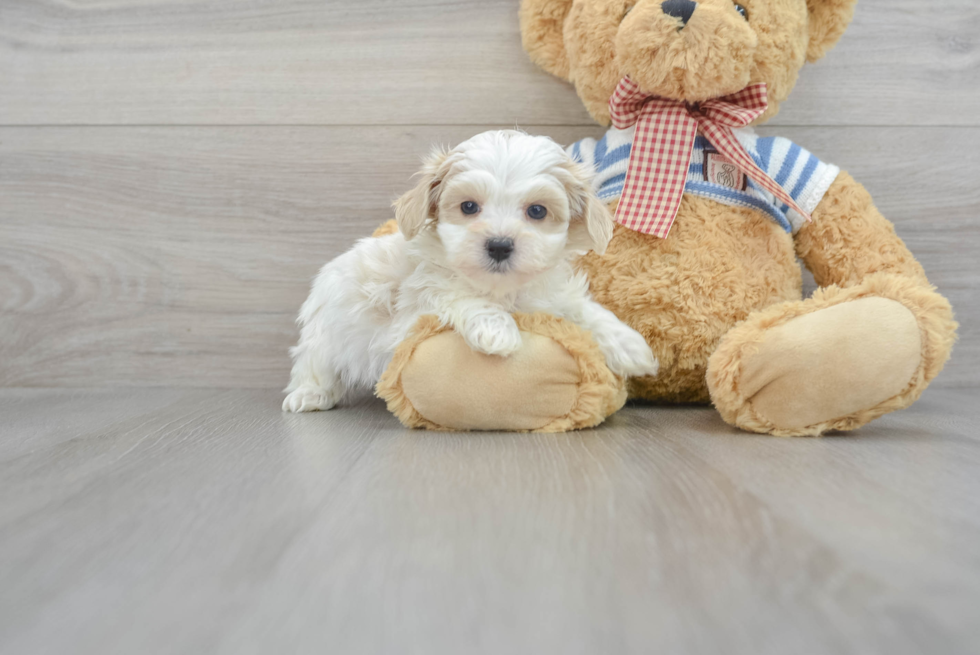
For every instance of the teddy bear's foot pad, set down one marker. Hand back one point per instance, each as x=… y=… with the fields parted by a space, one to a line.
x=508 y=393
x=829 y=369
x=556 y=381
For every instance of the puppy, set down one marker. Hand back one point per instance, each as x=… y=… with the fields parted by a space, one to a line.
x=491 y=228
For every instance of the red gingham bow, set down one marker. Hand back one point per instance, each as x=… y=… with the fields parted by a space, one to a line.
x=663 y=144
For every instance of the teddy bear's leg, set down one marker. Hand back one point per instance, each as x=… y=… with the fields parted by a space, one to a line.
x=867 y=344
x=834 y=361
x=556 y=381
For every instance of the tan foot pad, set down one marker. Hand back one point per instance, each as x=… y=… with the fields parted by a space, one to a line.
x=831 y=363
x=557 y=381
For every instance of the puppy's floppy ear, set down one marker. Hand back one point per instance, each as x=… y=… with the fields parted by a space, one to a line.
x=598 y=223
x=590 y=225
x=418 y=206
x=827 y=21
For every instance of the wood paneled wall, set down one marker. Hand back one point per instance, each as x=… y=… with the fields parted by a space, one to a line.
x=172 y=174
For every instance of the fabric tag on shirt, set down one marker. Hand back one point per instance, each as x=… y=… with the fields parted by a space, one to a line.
x=719 y=170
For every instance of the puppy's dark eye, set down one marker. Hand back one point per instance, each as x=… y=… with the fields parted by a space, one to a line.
x=469 y=207
x=537 y=212
x=742 y=10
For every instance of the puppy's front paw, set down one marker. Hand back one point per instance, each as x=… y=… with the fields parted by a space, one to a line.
x=628 y=355
x=309 y=398
x=494 y=334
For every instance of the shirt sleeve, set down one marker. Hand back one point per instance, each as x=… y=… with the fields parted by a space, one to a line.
x=804 y=177
x=609 y=158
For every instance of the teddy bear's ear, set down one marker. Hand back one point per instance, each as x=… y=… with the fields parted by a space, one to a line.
x=828 y=20
x=542 y=31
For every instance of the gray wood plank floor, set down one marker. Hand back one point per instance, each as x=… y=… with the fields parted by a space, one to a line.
x=191 y=521
x=171 y=176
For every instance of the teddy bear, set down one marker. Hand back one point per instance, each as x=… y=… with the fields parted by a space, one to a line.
x=712 y=222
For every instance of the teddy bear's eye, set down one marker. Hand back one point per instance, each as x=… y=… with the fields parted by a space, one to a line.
x=743 y=11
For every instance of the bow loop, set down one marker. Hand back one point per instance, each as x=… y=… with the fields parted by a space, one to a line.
x=662 y=147
x=626 y=104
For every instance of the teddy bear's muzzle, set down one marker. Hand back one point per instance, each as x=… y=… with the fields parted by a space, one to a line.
x=687 y=50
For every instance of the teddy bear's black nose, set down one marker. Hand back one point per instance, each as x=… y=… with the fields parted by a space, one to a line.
x=682 y=9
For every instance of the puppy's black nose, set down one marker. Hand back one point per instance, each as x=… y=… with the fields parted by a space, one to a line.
x=500 y=249
x=682 y=9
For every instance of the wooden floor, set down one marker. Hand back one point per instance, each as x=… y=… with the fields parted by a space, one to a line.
x=193 y=521
x=173 y=173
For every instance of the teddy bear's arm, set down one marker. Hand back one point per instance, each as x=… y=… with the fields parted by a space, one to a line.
x=849 y=239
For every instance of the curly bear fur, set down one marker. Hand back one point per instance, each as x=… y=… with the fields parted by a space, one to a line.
x=711 y=296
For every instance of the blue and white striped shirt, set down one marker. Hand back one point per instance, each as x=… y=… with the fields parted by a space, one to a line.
x=804 y=177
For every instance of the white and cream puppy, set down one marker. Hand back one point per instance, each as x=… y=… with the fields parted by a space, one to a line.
x=491 y=228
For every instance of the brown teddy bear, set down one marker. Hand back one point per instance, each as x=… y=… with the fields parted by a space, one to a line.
x=712 y=221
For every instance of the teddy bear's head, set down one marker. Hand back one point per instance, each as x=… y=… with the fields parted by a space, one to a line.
x=680 y=49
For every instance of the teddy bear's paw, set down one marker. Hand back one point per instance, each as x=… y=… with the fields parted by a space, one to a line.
x=628 y=355
x=493 y=334
x=833 y=362
x=556 y=381
x=310 y=398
